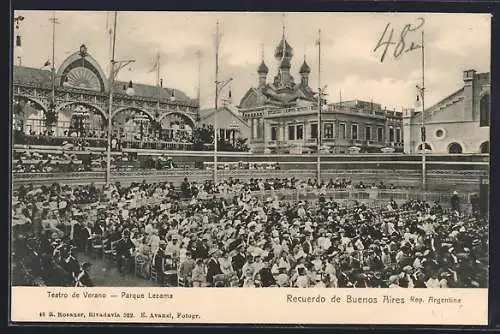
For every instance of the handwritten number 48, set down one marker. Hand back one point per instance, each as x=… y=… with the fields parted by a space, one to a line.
x=384 y=42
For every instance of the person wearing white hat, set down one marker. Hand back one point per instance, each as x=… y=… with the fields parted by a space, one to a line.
x=394 y=282
x=433 y=281
x=301 y=279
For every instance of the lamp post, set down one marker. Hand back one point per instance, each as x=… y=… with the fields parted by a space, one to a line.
x=321 y=95
x=112 y=76
x=421 y=92
x=18 y=20
x=219 y=85
x=319 y=141
x=52 y=106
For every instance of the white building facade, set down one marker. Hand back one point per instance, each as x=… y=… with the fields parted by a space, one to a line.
x=459 y=123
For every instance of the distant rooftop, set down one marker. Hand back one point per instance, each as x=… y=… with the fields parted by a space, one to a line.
x=42 y=78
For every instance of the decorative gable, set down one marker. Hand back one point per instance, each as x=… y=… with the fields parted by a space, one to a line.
x=251 y=99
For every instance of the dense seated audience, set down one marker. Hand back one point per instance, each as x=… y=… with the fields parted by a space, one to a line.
x=69 y=160
x=181 y=237
x=200 y=138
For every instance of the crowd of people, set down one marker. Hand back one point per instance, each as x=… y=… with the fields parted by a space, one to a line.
x=188 y=236
x=69 y=160
x=178 y=138
x=236 y=186
x=36 y=162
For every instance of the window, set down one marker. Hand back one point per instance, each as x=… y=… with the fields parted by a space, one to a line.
x=391 y=134
x=274 y=133
x=354 y=131
x=484 y=111
x=485 y=147
x=427 y=147
x=255 y=130
x=398 y=135
x=380 y=135
x=368 y=133
x=221 y=134
x=342 y=131
x=314 y=131
x=300 y=131
x=291 y=132
x=328 y=131
x=455 y=148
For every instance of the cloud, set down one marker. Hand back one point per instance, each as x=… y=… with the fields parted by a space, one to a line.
x=454 y=42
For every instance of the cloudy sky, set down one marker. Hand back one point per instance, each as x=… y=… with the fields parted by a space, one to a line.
x=453 y=43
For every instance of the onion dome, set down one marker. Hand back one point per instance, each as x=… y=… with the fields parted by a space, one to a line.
x=263 y=69
x=285 y=64
x=283 y=50
x=305 y=69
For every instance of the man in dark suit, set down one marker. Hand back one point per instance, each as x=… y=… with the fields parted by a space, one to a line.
x=266 y=277
x=124 y=250
x=213 y=265
x=201 y=251
x=238 y=261
x=69 y=263
x=158 y=261
x=59 y=276
x=83 y=279
x=455 y=202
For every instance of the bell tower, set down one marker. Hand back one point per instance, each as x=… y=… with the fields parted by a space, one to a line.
x=262 y=70
x=283 y=54
x=304 y=72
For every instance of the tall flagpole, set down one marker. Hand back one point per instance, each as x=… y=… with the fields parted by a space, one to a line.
x=53 y=68
x=159 y=85
x=217 y=44
x=320 y=95
x=18 y=20
x=424 y=178
x=158 y=69
x=198 y=93
x=112 y=74
x=110 y=103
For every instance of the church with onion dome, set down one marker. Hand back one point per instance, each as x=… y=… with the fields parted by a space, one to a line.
x=282 y=90
x=282 y=114
x=266 y=107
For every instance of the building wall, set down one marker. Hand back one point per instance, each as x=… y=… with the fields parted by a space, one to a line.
x=227 y=120
x=333 y=118
x=455 y=119
x=440 y=135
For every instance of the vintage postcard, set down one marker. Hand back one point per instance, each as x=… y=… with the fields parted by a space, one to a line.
x=244 y=167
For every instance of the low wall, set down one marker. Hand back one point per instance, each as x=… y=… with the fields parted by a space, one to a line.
x=438 y=180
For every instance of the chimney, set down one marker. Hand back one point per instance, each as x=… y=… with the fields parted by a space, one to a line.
x=469 y=87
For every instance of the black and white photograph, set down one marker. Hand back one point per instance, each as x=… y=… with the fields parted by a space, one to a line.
x=250 y=150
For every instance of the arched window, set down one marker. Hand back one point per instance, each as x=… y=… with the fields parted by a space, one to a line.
x=484 y=111
x=485 y=147
x=427 y=147
x=455 y=148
